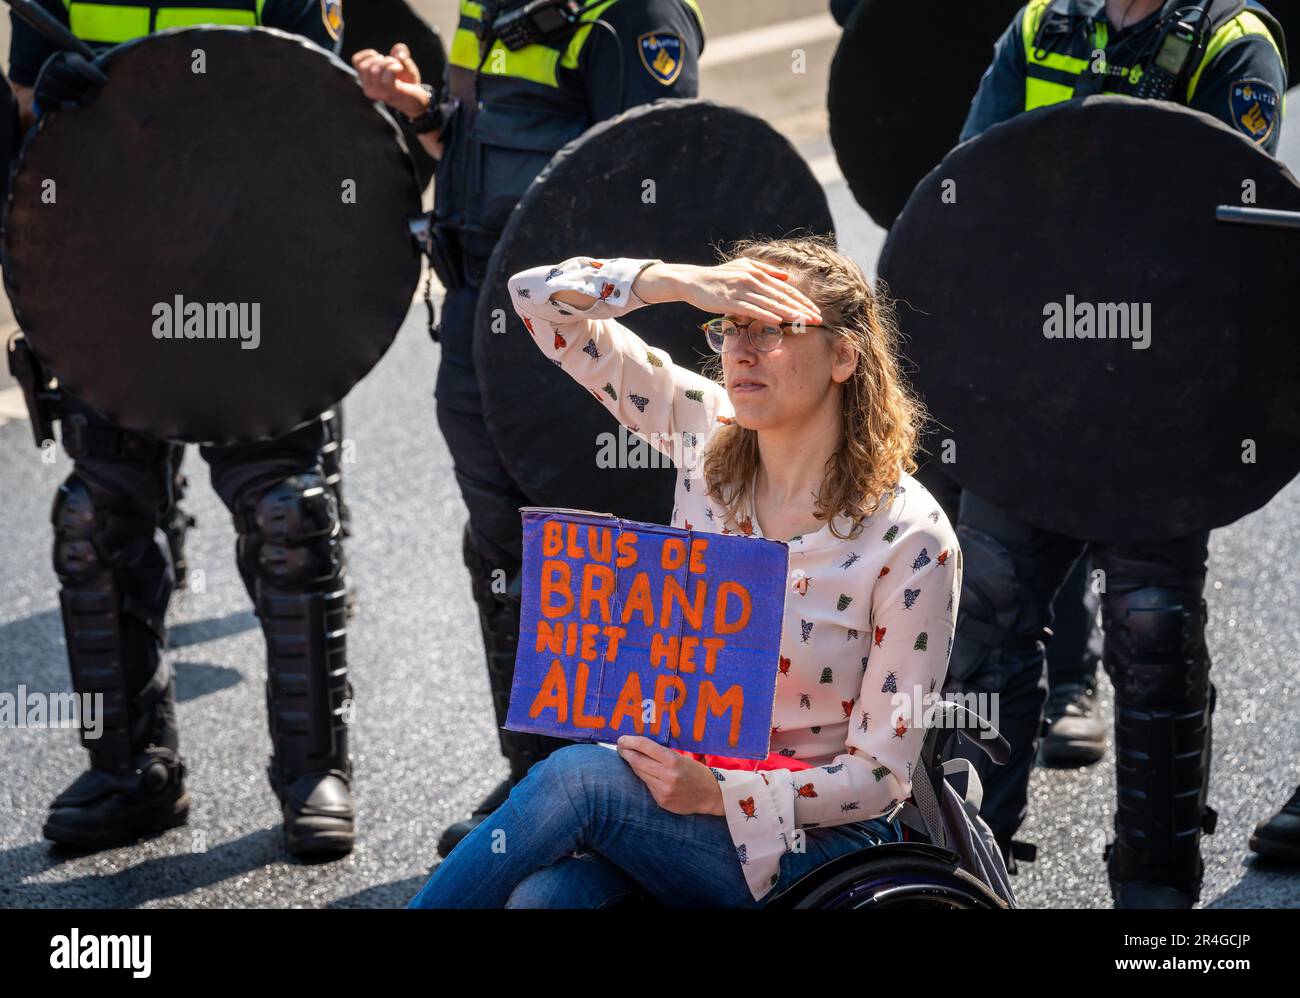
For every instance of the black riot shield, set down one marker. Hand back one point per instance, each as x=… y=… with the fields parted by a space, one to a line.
x=900 y=88
x=203 y=261
x=381 y=24
x=1102 y=357
x=10 y=133
x=673 y=181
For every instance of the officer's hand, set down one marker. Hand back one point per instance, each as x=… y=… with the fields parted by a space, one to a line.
x=67 y=80
x=392 y=79
x=741 y=287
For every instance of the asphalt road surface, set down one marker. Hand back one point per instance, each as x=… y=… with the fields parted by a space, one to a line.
x=424 y=745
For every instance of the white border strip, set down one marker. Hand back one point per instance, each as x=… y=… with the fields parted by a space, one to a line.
x=764 y=41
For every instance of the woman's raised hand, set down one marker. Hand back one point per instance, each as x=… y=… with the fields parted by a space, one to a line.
x=741 y=287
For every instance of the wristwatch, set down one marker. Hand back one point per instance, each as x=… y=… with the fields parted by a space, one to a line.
x=433 y=117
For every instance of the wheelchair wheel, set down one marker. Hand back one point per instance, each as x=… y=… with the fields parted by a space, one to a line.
x=896 y=875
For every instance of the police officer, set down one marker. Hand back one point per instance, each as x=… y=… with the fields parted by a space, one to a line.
x=115 y=567
x=518 y=89
x=1226 y=58
x=1072 y=731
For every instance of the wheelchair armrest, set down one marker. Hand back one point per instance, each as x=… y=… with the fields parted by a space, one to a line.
x=949 y=715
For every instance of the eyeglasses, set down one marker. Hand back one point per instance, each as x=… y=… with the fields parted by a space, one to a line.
x=762 y=335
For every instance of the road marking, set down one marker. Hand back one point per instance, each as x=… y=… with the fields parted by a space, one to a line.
x=12 y=405
x=781 y=37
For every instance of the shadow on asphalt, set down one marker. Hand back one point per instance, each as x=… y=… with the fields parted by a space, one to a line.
x=197 y=631
x=198 y=679
x=1262 y=878
x=153 y=879
x=394 y=895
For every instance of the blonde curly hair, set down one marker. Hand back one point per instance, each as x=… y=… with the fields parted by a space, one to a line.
x=881 y=416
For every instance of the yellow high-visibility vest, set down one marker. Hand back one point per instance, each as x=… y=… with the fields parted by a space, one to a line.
x=1051 y=77
x=111 y=22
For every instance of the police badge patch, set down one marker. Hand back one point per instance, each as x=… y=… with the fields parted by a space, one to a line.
x=331 y=12
x=1253 y=107
x=661 y=55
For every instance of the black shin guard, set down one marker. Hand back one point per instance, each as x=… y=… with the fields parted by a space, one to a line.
x=113 y=636
x=1157 y=660
x=307 y=689
x=291 y=554
x=134 y=783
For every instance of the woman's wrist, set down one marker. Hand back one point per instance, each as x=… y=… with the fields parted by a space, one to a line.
x=655 y=283
x=719 y=804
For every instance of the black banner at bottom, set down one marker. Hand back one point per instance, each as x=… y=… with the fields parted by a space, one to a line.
x=360 y=948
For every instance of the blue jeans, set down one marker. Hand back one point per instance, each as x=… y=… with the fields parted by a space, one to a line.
x=582 y=831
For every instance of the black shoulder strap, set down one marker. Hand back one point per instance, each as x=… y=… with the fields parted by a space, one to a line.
x=1059 y=18
x=1220 y=12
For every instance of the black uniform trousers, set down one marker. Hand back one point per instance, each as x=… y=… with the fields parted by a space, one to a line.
x=493 y=497
x=130 y=477
x=1075 y=649
x=1012 y=574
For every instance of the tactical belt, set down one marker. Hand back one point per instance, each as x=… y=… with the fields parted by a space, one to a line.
x=84 y=439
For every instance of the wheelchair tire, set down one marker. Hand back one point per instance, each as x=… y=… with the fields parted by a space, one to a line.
x=887 y=877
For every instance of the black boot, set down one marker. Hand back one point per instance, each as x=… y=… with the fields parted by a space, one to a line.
x=1073 y=734
x=1279 y=837
x=102 y=809
x=293 y=538
x=452 y=834
x=1159 y=665
x=498 y=610
x=135 y=783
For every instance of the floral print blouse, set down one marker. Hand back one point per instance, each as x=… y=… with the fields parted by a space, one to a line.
x=868 y=622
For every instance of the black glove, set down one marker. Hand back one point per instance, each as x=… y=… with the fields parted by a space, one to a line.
x=67 y=80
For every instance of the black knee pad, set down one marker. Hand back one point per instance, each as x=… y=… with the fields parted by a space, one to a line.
x=1155 y=647
x=76 y=532
x=115 y=587
x=90 y=537
x=292 y=540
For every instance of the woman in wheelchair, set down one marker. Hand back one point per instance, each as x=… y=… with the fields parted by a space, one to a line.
x=807 y=438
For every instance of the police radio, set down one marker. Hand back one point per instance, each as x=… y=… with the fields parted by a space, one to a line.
x=1180 y=46
x=545 y=21
x=535 y=21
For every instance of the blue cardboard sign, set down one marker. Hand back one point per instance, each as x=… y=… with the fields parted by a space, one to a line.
x=639 y=628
